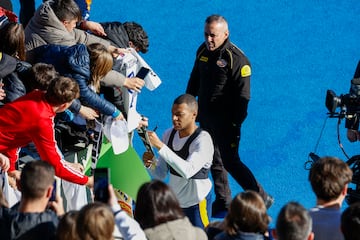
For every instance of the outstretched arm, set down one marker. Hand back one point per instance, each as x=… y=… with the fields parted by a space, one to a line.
x=128 y=227
x=93 y=27
x=201 y=152
x=44 y=140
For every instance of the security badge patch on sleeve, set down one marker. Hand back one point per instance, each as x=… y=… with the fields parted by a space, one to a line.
x=204 y=59
x=245 y=71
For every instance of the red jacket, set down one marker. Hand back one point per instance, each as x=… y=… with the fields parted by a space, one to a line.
x=31 y=119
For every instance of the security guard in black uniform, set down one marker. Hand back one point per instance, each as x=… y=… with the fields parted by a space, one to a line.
x=220 y=79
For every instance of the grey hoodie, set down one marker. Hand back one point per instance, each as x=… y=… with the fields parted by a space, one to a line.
x=180 y=229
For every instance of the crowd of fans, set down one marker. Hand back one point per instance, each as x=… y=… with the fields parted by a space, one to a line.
x=60 y=67
x=158 y=214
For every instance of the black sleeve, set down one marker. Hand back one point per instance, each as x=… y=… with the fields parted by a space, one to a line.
x=357 y=71
x=193 y=83
x=353 y=123
x=241 y=114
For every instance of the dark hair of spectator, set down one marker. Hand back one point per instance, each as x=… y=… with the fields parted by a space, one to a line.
x=293 y=222
x=41 y=75
x=350 y=222
x=66 y=229
x=66 y=10
x=137 y=36
x=62 y=90
x=12 y=40
x=36 y=177
x=247 y=213
x=328 y=177
x=156 y=204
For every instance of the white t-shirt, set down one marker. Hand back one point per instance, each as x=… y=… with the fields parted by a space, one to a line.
x=188 y=191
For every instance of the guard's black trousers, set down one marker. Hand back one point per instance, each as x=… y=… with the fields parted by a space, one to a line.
x=226 y=138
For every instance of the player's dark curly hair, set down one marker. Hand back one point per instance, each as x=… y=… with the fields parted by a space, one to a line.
x=137 y=36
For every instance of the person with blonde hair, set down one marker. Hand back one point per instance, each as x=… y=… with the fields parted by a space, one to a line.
x=95 y=221
x=87 y=65
x=101 y=63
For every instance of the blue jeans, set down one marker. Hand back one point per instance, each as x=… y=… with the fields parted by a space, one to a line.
x=199 y=213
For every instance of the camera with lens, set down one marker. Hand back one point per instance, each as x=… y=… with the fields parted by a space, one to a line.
x=350 y=110
x=348 y=103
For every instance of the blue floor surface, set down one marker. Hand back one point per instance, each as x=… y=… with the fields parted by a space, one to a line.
x=298 y=50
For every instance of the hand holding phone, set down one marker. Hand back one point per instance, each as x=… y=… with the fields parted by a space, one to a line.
x=56 y=190
x=142 y=73
x=56 y=201
x=101 y=184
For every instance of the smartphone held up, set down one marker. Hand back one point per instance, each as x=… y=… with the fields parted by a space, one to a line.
x=101 y=184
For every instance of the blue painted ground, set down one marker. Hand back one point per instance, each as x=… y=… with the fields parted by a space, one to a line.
x=298 y=50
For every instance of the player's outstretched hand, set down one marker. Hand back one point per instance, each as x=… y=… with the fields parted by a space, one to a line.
x=57 y=206
x=155 y=140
